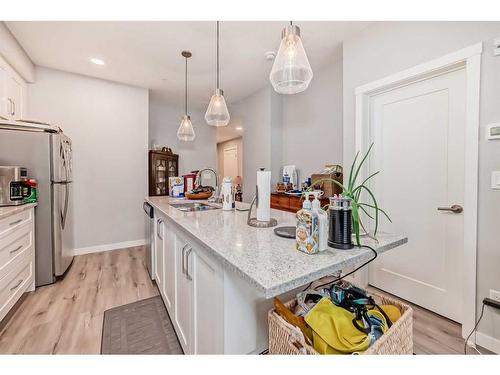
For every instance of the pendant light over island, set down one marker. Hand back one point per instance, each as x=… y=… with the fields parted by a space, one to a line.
x=217 y=113
x=186 y=130
x=291 y=72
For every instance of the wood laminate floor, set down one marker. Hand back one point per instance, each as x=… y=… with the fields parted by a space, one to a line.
x=67 y=317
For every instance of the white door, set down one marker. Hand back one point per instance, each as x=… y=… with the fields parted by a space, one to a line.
x=231 y=162
x=4 y=103
x=418 y=132
x=14 y=94
x=169 y=267
x=183 y=307
x=158 y=273
x=208 y=284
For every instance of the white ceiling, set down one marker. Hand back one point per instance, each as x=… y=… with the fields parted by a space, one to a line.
x=147 y=54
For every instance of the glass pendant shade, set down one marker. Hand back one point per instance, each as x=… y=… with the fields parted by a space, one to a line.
x=186 y=130
x=217 y=113
x=291 y=72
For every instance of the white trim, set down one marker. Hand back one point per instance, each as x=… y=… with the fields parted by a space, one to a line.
x=107 y=247
x=488 y=342
x=470 y=59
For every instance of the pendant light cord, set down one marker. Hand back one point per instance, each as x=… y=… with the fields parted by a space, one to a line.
x=217 y=74
x=186 y=90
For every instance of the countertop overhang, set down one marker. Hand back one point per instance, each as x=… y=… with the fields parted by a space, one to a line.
x=268 y=262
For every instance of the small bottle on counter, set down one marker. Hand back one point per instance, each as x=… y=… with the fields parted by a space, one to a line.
x=322 y=221
x=307 y=231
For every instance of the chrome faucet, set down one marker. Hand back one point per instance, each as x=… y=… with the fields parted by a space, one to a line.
x=215 y=198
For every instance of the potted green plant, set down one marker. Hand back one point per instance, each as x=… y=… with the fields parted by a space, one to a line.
x=354 y=190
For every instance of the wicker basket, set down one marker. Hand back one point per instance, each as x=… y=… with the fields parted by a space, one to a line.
x=284 y=338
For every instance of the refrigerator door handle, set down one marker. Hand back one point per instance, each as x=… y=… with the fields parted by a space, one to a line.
x=64 y=212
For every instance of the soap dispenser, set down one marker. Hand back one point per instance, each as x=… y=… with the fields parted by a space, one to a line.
x=322 y=221
x=307 y=231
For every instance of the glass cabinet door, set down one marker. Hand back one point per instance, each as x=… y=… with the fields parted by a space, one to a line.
x=161 y=176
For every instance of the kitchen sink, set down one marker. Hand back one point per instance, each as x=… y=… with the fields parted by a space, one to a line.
x=193 y=206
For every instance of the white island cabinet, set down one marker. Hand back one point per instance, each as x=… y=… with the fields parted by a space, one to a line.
x=17 y=254
x=217 y=276
x=190 y=283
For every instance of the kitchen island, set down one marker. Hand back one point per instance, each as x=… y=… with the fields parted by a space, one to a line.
x=217 y=275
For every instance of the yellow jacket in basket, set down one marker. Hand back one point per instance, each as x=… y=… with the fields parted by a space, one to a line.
x=334 y=331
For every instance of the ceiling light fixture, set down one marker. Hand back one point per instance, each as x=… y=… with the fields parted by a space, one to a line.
x=217 y=113
x=291 y=72
x=186 y=132
x=97 y=61
x=239 y=128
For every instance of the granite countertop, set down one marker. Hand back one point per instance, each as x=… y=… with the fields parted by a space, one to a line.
x=270 y=263
x=7 y=211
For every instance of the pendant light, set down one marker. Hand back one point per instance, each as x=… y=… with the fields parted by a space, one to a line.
x=291 y=72
x=217 y=113
x=186 y=131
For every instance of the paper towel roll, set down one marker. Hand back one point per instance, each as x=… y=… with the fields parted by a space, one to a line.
x=263 y=195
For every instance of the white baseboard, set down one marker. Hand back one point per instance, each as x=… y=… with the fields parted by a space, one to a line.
x=488 y=342
x=108 y=247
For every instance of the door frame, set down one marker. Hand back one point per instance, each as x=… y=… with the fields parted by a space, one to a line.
x=469 y=59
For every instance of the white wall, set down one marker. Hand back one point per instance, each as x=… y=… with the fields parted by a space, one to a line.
x=254 y=115
x=164 y=121
x=312 y=123
x=389 y=47
x=304 y=129
x=108 y=124
x=15 y=55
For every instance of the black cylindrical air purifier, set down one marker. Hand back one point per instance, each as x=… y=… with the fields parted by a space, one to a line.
x=340 y=223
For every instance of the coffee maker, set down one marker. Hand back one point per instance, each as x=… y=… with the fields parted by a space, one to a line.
x=11 y=185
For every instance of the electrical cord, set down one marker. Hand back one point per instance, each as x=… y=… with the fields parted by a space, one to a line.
x=473 y=330
x=349 y=273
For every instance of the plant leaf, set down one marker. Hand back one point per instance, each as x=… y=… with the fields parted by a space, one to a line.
x=355 y=221
x=361 y=164
x=376 y=207
x=358 y=188
x=353 y=166
x=381 y=210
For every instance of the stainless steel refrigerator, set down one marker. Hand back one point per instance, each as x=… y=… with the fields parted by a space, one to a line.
x=47 y=154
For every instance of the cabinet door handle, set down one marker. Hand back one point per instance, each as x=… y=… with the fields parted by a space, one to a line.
x=183 y=263
x=13 y=108
x=16 y=222
x=16 y=249
x=188 y=253
x=19 y=282
x=158 y=229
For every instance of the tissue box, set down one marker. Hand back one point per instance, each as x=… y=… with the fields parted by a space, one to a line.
x=176 y=187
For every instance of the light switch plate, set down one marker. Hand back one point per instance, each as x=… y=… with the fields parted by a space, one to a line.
x=495 y=180
x=493 y=131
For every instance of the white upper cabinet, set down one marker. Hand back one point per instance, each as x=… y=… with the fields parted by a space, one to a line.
x=4 y=105
x=12 y=93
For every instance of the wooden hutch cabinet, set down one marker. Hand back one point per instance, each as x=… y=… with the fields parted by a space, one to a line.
x=162 y=165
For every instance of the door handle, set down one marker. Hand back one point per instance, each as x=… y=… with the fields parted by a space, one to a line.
x=456 y=209
x=188 y=276
x=16 y=249
x=16 y=222
x=183 y=261
x=158 y=229
x=19 y=282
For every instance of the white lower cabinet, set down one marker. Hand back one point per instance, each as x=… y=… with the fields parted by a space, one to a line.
x=17 y=258
x=158 y=255
x=183 y=295
x=213 y=311
x=191 y=285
